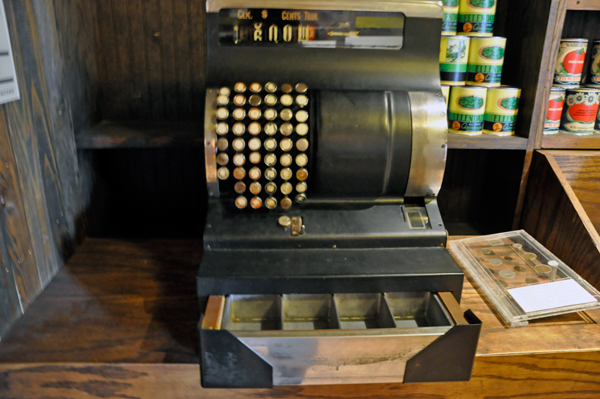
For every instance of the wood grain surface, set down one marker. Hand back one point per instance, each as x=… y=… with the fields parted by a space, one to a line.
x=554 y=216
x=150 y=59
x=120 y=321
x=591 y=5
x=582 y=171
x=486 y=141
x=141 y=134
x=572 y=375
x=565 y=140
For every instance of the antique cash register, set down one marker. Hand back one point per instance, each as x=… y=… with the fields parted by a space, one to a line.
x=324 y=249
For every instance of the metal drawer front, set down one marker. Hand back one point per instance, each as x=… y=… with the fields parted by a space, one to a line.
x=321 y=338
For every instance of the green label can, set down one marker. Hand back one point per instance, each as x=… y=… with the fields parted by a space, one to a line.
x=454 y=54
x=450 y=17
x=501 y=108
x=556 y=103
x=476 y=17
x=580 y=111
x=446 y=94
x=486 y=57
x=569 y=63
x=595 y=65
x=466 y=110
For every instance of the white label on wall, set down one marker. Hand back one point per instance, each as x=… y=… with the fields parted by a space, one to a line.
x=9 y=90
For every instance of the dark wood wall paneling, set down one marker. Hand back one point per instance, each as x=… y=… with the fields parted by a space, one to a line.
x=151 y=59
x=480 y=190
x=150 y=65
x=39 y=173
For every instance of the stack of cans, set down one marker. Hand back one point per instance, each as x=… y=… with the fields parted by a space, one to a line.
x=471 y=60
x=572 y=106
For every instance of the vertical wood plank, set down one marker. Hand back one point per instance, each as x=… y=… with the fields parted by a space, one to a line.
x=10 y=305
x=124 y=60
x=107 y=61
x=138 y=53
x=14 y=226
x=168 y=60
x=151 y=17
x=183 y=58
x=197 y=18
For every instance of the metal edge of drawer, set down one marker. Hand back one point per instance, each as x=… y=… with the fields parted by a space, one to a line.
x=241 y=359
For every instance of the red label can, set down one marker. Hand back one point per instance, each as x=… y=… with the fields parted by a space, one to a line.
x=569 y=63
x=580 y=111
x=554 y=111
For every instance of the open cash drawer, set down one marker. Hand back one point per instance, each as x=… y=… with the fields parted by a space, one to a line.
x=297 y=339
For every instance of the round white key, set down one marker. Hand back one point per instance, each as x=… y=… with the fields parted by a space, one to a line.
x=222 y=100
x=286 y=100
x=270 y=114
x=270 y=128
x=271 y=203
x=286 y=188
x=222 y=113
x=238 y=129
x=254 y=128
x=285 y=160
x=254 y=157
x=286 y=129
x=254 y=173
x=239 y=114
x=301 y=116
x=270 y=188
x=270 y=100
x=239 y=100
x=301 y=160
x=302 y=145
x=286 y=145
x=255 y=188
x=302 y=129
x=241 y=202
x=286 y=173
x=255 y=87
x=286 y=114
x=223 y=173
x=270 y=159
x=222 y=128
x=238 y=144
x=222 y=144
x=271 y=87
x=239 y=173
x=239 y=159
x=270 y=144
x=224 y=91
x=301 y=187
x=223 y=159
x=240 y=87
x=302 y=100
x=270 y=173
x=254 y=113
x=254 y=144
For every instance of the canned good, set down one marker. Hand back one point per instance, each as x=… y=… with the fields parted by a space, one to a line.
x=597 y=123
x=555 y=108
x=569 y=63
x=450 y=17
x=580 y=111
x=501 y=108
x=454 y=55
x=486 y=57
x=466 y=110
x=476 y=17
x=446 y=94
x=595 y=65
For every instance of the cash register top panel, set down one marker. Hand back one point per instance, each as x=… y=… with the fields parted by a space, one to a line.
x=324 y=43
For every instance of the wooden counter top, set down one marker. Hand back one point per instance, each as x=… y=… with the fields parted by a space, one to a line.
x=120 y=321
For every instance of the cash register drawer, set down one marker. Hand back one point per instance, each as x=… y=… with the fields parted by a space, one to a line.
x=298 y=339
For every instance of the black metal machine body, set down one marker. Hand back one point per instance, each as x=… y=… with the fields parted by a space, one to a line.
x=325 y=138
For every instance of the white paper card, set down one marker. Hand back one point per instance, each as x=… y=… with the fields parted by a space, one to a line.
x=553 y=295
x=9 y=90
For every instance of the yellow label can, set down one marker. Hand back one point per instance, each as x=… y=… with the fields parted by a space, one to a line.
x=454 y=54
x=501 y=108
x=486 y=57
x=446 y=94
x=476 y=17
x=466 y=110
x=450 y=17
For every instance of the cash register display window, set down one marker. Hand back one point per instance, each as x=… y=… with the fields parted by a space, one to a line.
x=311 y=28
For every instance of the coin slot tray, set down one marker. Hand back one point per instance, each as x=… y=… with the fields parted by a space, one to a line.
x=416 y=309
x=303 y=312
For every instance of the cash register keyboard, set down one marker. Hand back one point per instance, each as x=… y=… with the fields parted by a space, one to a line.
x=263 y=135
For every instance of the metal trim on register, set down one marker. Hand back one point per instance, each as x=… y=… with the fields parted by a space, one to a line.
x=210 y=143
x=429 y=144
x=410 y=8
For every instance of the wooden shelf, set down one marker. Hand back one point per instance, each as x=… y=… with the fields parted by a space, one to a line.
x=569 y=141
x=486 y=142
x=590 y=5
x=140 y=134
x=122 y=315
